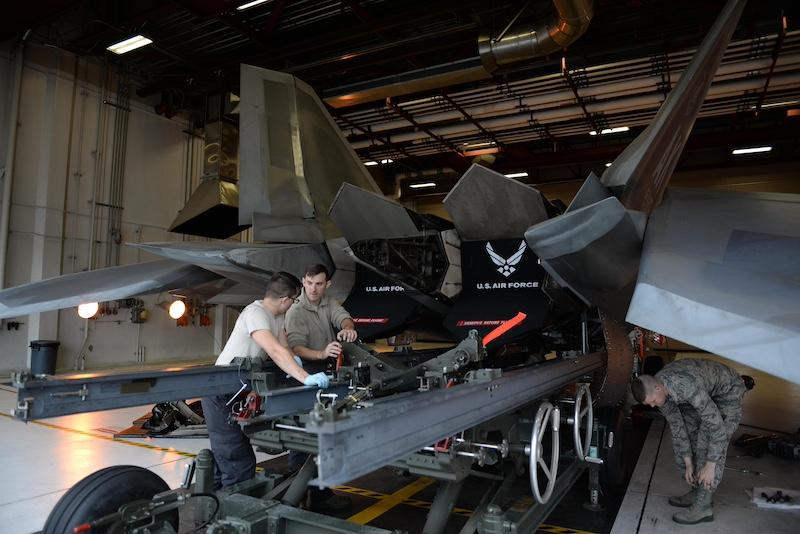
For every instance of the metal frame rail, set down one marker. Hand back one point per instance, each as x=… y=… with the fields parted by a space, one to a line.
x=392 y=429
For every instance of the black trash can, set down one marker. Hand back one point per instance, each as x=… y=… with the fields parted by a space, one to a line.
x=43 y=357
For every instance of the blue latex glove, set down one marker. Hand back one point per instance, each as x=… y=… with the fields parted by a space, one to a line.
x=319 y=380
x=298 y=360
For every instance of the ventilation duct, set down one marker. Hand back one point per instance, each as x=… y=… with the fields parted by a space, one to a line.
x=524 y=42
x=213 y=209
x=512 y=46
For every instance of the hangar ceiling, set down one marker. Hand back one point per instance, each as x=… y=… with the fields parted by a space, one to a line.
x=373 y=62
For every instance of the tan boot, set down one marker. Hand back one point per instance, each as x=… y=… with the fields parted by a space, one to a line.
x=700 y=511
x=683 y=501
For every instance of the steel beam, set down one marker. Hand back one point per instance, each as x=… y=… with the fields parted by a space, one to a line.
x=394 y=428
x=89 y=392
x=38 y=398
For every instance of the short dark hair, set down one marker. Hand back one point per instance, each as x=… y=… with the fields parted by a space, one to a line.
x=315 y=268
x=283 y=284
x=642 y=387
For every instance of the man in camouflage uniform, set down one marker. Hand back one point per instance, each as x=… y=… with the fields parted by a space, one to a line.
x=702 y=402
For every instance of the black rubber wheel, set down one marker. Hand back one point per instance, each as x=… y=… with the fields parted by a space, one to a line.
x=102 y=493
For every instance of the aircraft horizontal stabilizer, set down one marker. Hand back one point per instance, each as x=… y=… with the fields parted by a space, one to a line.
x=485 y=204
x=593 y=251
x=101 y=285
x=720 y=271
x=362 y=214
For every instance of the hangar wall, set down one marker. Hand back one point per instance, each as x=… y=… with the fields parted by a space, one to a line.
x=66 y=145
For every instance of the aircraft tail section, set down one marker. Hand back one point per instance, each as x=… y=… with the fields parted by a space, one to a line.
x=640 y=175
x=594 y=248
x=293 y=159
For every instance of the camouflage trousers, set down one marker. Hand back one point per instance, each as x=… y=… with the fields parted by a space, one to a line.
x=731 y=412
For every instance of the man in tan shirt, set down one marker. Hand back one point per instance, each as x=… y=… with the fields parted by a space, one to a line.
x=311 y=330
x=312 y=323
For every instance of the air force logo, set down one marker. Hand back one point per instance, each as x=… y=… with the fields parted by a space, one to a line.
x=505 y=266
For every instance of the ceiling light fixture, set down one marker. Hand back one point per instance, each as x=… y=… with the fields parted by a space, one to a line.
x=474 y=145
x=387 y=160
x=248 y=5
x=610 y=130
x=753 y=150
x=137 y=41
x=482 y=151
x=422 y=184
x=517 y=175
x=370 y=163
x=608 y=165
x=777 y=104
x=88 y=310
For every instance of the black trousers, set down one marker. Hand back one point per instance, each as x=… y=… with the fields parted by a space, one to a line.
x=234 y=458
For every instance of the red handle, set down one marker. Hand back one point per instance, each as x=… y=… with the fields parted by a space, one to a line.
x=503 y=328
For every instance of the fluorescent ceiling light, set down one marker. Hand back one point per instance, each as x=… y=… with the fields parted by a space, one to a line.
x=422 y=184
x=517 y=175
x=754 y=150
x=385 y=161
x=127 y=45
x=248 y=5
x=777 y=104
x=611 y=130
x=608 y=165
x=370 y=163
x=473 y=145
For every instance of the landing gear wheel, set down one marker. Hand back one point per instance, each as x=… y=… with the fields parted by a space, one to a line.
x=547 y=418
x=583 y=416
x=101 y=494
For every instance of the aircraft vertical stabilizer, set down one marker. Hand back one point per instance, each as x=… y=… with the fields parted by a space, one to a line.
x=293 y=159
x=594 y=249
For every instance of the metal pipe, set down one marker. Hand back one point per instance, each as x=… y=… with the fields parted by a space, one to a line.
x=570 y=23
x=13 y=119
x=98 y=168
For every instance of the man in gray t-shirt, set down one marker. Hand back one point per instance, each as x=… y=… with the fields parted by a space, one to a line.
x=257 y=334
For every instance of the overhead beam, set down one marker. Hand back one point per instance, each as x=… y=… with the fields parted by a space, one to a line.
x=410 y=118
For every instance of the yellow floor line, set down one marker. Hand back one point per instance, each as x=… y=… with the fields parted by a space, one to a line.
x=390 y=501
x=463 y=512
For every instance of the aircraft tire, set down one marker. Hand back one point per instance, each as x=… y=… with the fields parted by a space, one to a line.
x=101 y=494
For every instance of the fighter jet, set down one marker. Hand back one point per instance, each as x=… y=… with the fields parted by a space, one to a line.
x=618 y=247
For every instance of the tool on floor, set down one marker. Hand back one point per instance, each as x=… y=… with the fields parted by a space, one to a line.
x=745 y=471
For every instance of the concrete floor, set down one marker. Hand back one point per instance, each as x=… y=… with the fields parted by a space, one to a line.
x=45 y=458
x=645 y=509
